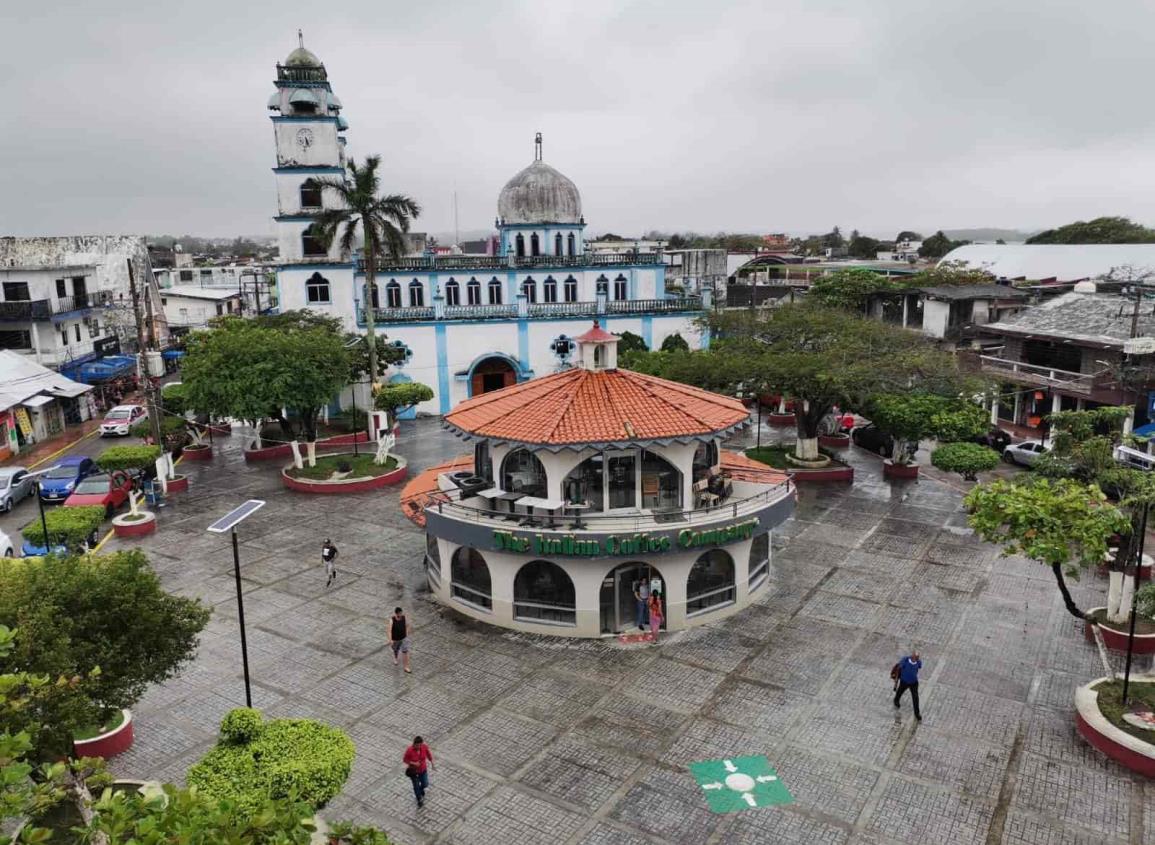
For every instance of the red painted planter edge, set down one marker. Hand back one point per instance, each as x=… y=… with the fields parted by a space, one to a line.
x=337 y=488
x=834 y=473
x=284 y=450
x=893 y=470
x=178 y=484
x=1117 y=640
x=1124 y=749
x=780 y=419
x=834 y=441
x=192 y=454
x=116 y=741
x=135 y=529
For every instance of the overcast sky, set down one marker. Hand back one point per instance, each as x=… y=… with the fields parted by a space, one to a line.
x=791 y=115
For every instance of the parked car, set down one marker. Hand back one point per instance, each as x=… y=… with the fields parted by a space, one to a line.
x=1024 y=454
x=6 y=547
x=873 y=439
x=996 y=439
x=58 y=483
x=101 y=488
x=121 y=419
x=15 y=484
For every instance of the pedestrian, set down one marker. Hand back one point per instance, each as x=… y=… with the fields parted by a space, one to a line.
x=399 y=637
x=655 y=613
x=329 y=558
x=418 y=760
x=642 y=602
x=908 y=669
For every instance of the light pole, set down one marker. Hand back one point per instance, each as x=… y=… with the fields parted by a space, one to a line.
x=229 y=523
x=1134 y=602
x=40 y=504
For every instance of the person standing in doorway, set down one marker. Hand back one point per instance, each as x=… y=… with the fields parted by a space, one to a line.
x=399 y=637
x=655 y=614
x=418 y=760
x=329 y=558
x=908 y=669
x=642 y=602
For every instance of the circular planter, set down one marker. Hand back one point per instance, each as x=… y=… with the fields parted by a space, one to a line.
x=782 y=420
x=122 y=526
x=834 y=472
x=221 y=429
x=1120 y=746
x=178 y=484
x=904 y=471
x=339 y=442
x=1117 y=640
x=115 y=741
x=270 y=453
x=198 y=453
x=1144 y=569
x=346 y=485
x=834 y=441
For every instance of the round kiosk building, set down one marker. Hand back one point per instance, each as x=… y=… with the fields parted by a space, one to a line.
x=592 y=483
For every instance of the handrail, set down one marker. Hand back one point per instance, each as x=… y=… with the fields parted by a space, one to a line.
x=1052 y=375
x=508 y=262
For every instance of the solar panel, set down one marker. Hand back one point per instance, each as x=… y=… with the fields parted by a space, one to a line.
x=236 y=515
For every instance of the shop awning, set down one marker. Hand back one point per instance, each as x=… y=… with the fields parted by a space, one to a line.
x=1144 y=430
x=172 y=353
x=70 y=391
x=36 y=401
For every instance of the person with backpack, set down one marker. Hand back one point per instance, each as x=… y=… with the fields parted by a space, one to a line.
x=329 y=558
x=418 y=759
x=905 y=677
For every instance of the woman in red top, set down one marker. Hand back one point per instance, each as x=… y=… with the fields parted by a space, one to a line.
x=418 y=760
x=656 y=616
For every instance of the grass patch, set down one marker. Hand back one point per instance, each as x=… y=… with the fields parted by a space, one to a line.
x=113 y=720
x=1111 y=705
x=133 y=517
x=362 y=466
x=1142 y=626
x=775 y=456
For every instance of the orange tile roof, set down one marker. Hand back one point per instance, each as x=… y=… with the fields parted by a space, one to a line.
x=596 y=335
x=581 y=406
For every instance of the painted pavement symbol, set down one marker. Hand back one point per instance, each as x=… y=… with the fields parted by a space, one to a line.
x=740 y=783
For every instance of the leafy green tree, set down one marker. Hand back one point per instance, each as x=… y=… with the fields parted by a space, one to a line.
x=907 y=235
x=674 y=343
x=967 y=459
x=72 y=528
x=949 y=274
x=937 y=245
x=960 y=421
x=849 y=288
x=127 y=457
x=630 y=343
x=382 y=220
x=908 y=418
x=863 y=247
x=393 y=398
x=1101 y=230
x=106 y=612
x=1063 y=524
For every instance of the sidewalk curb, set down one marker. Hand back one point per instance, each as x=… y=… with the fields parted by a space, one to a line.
x=64 y=448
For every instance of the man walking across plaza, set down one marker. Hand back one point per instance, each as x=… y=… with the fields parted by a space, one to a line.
x=418 y=760
x=399 y=637
x=329 y=558
x=908 y=669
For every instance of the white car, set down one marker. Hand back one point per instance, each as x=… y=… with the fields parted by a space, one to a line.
x=1024 y=454
x=6 y=547
x=121 y=419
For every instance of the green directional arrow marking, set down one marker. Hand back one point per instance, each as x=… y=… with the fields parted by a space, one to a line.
x=740 y=783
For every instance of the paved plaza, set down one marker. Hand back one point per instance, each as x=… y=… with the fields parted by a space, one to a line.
x=562 y=741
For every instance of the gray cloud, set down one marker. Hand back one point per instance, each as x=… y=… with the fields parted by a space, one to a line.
x=794 y=115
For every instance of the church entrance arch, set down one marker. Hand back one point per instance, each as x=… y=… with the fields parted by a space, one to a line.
x=491 y=374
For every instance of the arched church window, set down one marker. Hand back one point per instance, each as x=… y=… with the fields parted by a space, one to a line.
x=317 y=290
x=311 y=246
x=392 y=295
x=549 y=289
x=571 y=289
x=621 y=288
x=310 y=195
x=495 y=291
x=534 y=244
x=416 y=294
x=571 y=244
x=603 y=285
x=557 y=244
x=520 y=242
x=473 y=292
x=452 y=292
x=529 y=288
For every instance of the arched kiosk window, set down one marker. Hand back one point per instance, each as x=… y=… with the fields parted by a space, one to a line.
x=522 y=472
x=711 y=582
x=705 y=460
x=543 y=592
x=432 y=561
x=759 y=561
x=470 y=574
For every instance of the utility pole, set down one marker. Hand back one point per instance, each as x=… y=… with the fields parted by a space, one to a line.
x=142 y=360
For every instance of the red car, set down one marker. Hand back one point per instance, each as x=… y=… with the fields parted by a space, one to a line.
x=102 y=488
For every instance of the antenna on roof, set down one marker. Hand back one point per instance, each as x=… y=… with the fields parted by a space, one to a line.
x=300 y=38
x=537 y=147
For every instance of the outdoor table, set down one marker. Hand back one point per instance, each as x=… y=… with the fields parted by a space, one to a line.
x=490 y=494
x=579 y=507
x=512 y=498
x=532 y=502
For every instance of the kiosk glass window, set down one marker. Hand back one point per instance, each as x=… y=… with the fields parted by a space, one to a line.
x=432 y=560
x=543 y=592
x=471 y=582
x=711 y=582
x=759 y=561
x=661 y=483
x=522 y=472
x=622 y=477
x=705 y=457
x=585 y=481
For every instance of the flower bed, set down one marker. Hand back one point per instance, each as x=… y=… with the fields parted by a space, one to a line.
x=781 y=420
x=363 y=474
x=899 y=471
x=834 y=441
x=776 y=456
x=107 y=743
x=134 y=525
x=1098 y=718
x=1116 y=638
x=283 y=450
x=177 y=484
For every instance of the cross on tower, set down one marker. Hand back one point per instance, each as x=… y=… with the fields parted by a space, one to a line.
x=537 y=147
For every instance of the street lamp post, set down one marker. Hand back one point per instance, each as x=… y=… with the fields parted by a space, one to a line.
x=40 y=504
x=229 y=523
x=1134 y=602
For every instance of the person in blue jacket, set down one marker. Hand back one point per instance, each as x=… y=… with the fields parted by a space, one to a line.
x=908 y=669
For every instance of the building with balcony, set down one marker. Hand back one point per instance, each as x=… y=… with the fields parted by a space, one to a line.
x=589 y=482
x=256 y=284
x=947 y=312
x=470 y=323
x=188 y=307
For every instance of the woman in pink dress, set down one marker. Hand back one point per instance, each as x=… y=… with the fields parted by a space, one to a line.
x=655 y=614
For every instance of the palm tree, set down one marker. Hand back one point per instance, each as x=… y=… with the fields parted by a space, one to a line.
x=383 y=221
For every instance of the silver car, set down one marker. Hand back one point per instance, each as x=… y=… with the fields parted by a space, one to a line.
x=1024 y=454
x=15 y=484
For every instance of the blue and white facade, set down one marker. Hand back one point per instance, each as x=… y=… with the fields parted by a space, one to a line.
x=472 y=323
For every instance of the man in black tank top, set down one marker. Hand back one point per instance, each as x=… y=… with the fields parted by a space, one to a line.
x=399 y=637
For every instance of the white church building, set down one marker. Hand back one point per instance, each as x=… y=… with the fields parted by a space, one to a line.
x=470 y=323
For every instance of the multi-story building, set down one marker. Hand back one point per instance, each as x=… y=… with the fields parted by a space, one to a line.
x=254 y=284
x=472 y=323
x=188 y=307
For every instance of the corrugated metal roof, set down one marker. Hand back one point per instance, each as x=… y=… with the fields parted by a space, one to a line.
x=1093 y=318
x=1063 y=262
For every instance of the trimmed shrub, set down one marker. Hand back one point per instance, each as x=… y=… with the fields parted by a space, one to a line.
x=242 y=725
x=128 y=457
x=174 y=398
x=299 y=758
x=967 y=459
x=66 y=526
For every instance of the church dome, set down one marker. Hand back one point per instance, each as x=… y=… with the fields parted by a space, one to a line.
x=539 y=194
x=302 y=58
